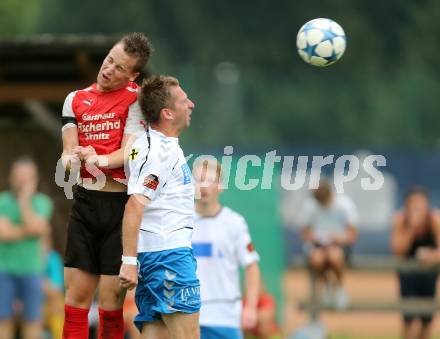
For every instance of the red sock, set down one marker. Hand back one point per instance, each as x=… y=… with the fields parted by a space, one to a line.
x=111 y=324
x=76 y=323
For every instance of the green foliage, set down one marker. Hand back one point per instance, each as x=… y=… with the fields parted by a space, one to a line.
x=18 y=17
x=382 y=92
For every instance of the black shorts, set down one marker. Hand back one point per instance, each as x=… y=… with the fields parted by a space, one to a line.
x=94 y=234
x=418 y=285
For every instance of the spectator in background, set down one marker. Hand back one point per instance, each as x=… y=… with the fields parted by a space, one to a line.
x=329 y=230
x=416 y=235
x=24 y=220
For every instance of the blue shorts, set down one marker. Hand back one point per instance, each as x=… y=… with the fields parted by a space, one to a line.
x=219 y=332
x=167 y=284
x=27 y=289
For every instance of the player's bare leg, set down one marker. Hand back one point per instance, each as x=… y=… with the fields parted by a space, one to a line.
x=425 y=331
x=7 y=329
x=317 y=261
x=32 y=330
x=182 y=325
x=80 y=287
x=155 y=329
x=336 y=260
x=111 y=295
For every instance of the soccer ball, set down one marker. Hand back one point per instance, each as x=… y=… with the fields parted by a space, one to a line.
x=321 y=42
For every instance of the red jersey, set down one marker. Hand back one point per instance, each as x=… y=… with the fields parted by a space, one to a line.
x=102 y=118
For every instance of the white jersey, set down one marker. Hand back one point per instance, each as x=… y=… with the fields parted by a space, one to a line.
x=221 y=244
x=158 y=170
x=333 y=220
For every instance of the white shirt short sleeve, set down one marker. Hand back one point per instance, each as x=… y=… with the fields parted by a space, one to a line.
x=245 y=248
x=135 y=122
x=68 y=116
x=350 y=211
x=308 y=209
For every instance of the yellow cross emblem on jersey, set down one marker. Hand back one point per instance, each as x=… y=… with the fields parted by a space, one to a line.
x=133 y=154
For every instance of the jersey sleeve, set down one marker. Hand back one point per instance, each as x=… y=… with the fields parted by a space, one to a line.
x=245 y=248
x=350 y=211
x=68 y=116
x=135 y=123
x=149 y=177
x=305 y=218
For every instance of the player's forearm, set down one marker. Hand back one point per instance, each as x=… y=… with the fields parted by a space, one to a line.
x=9 y=233
x=349 y=237
x=401 y=241
x=33 y=225
x=70 y=140
x=308 y=235
x=112 y=160
x=130 y=226
x=252 y=284
x=117 y=158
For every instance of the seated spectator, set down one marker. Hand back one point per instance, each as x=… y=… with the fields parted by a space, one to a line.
x=416 y=235
x=329 y=230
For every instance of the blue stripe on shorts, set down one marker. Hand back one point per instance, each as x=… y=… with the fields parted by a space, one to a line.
x=220 y=332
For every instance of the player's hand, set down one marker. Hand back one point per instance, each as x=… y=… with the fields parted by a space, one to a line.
x=85 y=153
x=339 y=240
x=27 y=189
x=9 y=232
x=71 y=162
x=249 y=318
x=4 y=228
x=128 y=276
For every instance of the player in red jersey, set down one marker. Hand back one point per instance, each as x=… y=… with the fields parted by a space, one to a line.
x=97 y=125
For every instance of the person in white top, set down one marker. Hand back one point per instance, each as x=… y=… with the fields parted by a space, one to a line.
x=222 y=244
x=329 y=230
x=159 y=260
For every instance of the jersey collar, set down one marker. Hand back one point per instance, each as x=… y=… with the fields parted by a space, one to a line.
x=163 y=136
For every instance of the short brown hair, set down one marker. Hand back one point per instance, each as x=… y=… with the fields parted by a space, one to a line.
x=138 y=45
x=323 y=194
x=155 y=95
x=206 y=164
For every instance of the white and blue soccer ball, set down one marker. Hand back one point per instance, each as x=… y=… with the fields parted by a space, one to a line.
x=321 y=42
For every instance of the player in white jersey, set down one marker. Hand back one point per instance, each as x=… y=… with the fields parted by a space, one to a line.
x=161 y=209
x=222 y=244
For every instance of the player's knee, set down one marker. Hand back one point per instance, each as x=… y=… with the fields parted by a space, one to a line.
x=192 y=332
x=111 y=299
x=335 y=256
x=79 y=297
x=317 y=260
